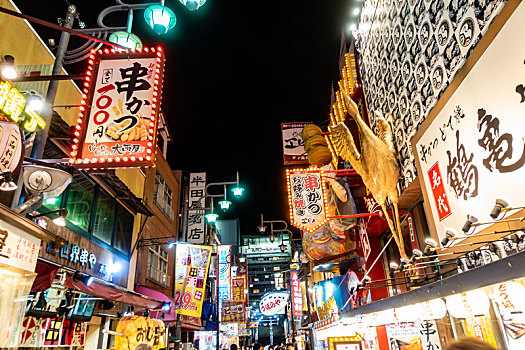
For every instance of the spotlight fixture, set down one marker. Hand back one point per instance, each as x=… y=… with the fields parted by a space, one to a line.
x=366 y=280
x=430 y=246
x=515 y=238
x=8 y=184
x=166 y=306
x=496 y=211
x=261 y=228
x=393 y=267
x=8 y=68
x=86 y=279
x=146 y=314
x=272 y=237
x=449 y=234
x=55 y=246
x=171 y=245
x=41 y=303
x=468 y=224
x=402 y=264
x=59 y=220
x=416 y=253
x=282 y=246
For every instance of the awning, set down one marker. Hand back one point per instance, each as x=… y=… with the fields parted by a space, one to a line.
x=170 y=316
x=113 y=293
x=44 y=278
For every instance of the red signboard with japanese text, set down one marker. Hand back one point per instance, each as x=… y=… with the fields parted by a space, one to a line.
x=438 y=190
x=117 y=125
x=307 y=198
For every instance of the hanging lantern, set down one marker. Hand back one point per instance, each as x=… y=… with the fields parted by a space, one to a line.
x=434 y=309
x=467 y=304
x=193 y=5
x=160 y=18
x=129 y=40
x=408 y=313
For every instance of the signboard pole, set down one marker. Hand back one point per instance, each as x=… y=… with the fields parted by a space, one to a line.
x=41 y=137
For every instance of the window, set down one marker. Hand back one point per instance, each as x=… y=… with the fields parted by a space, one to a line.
x=123 y=230
x=94 y=214
x=162 y=196
x=80 y=201
x=158 y=265
x=104 y=218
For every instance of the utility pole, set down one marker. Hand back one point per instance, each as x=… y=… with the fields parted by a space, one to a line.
x=41 y=136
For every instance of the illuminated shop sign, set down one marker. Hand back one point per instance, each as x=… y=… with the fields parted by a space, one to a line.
x=307 y=198
x=14 y=107
x=117 y=125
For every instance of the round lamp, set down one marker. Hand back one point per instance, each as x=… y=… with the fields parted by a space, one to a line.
x=160 y=18
x=471 y=303
x=129 y=40
x=434 y=309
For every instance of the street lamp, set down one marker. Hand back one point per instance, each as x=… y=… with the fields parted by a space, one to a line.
x=160 y=18
x=129 y=40
x=193 y=5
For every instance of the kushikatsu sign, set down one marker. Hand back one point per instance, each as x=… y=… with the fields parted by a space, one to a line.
x=307 y=198
x=117 y=125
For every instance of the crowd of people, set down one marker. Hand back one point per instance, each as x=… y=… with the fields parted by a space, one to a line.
x=462 y=344
x=258 y=346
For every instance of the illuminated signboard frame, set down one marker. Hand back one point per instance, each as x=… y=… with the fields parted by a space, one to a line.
x=324 y=214
x=143 y=159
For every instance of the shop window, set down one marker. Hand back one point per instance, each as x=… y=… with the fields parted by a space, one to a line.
x=104 y=218
x=162 y=196
x=80 y=201
x=123 y=230
x=53 y=203
x=158 y=265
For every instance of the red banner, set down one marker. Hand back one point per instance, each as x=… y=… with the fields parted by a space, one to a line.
x=297 y=298
x=438 y=190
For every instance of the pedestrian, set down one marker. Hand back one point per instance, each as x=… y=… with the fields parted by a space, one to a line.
x=233 y=346
x=290 y=346
x=469 y=344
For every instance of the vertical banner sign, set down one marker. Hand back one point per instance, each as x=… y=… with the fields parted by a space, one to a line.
x=191 y=272
x=293 y=144
x=472 y=152
x=117 y=125
x=307 y=199
x=223 y=253
x=297 y=298
x=238 y=286
x=196 y=204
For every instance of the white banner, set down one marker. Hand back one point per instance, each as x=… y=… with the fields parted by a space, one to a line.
x=18 y=248
x=196 y=204
x=473 y=152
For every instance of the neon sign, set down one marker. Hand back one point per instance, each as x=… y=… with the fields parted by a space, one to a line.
x=14 y=107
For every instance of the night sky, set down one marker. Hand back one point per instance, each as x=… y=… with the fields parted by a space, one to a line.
x=235 y=70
